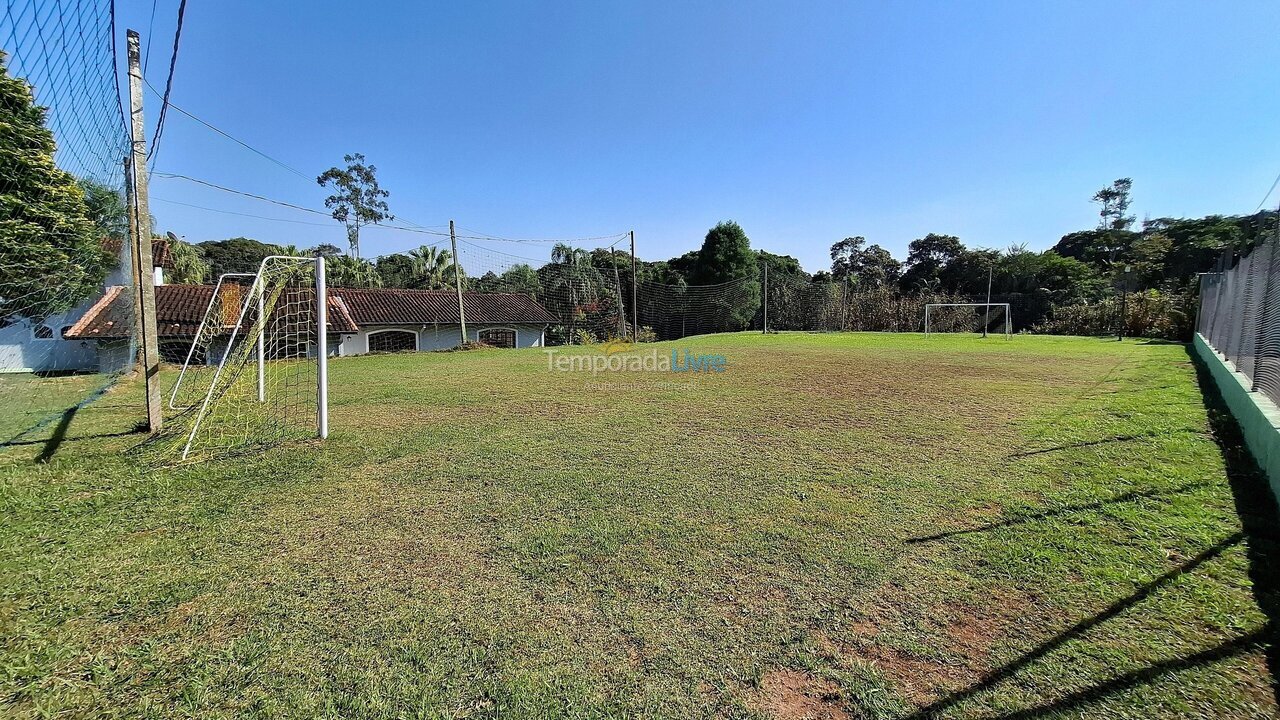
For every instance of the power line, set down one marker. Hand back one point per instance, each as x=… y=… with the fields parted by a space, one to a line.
x=1267 y=197
x=168 y=85
x=420 y=229
x=241 y=214
x=151 y=26
x=215 y=186
x=229 y=136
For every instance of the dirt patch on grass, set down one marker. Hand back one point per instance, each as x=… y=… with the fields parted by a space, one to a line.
x=795 y=695
x=953 y=651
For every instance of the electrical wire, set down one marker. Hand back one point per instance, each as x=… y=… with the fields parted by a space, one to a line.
x=168 y=85
x=229 y=136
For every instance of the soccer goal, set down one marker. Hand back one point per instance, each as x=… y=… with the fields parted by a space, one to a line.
x=984 y=318
x=257 y=369
x=208 y=345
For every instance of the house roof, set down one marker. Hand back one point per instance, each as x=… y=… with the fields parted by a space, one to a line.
x=180 y=308
x=394 y=306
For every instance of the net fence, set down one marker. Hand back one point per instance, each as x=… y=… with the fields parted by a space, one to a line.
x=1238 y=313
x=63 y=216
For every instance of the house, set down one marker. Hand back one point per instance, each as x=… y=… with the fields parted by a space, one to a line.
x=29 y=345
x=359 y=320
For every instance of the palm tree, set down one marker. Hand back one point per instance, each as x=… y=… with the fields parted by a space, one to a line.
x=429 y=267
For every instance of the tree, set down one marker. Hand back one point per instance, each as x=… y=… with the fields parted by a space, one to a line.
x=189 y=268
x=869 y=266
x=725 y=257
x=358 y=200
x=1114 y=200
x=926 y=258
x=345 y=271
x=846 y=255
x=879 y=268
x=51 y=255
x=237 y=255
x=106 y=208
x=325 y=250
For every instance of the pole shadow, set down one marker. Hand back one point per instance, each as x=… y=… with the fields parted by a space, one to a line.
x=1131 y=496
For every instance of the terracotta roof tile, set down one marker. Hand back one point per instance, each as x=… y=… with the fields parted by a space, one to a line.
x=180 y=308
x=393 y=306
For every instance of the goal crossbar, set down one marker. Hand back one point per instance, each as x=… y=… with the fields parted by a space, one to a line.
x=1008 y=315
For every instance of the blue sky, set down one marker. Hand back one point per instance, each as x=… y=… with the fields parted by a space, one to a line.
x=805 y=122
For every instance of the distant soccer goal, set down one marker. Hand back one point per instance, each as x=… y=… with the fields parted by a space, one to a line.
x=981 y=318
x=256 y=372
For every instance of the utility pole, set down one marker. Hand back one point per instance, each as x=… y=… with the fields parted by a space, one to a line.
x=457 y=281
x=130 y=248
x=764 y=327
x=987 y=323
x=142 y=238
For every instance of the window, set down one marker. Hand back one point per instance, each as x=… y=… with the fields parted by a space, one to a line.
x=43 y=332
x=498 y=337
x=63 y=332
x=393 y=341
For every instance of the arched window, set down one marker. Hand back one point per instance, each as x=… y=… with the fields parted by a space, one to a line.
x=43 y=332
x=498 y=337
x=393 y=341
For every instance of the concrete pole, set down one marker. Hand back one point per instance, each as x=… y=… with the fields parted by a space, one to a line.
x=130 y=249
x=142 y=238
x=457 y=281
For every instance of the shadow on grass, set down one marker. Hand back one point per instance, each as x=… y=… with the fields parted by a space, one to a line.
x=1083 y=444
x=1132 y=496
x=1260 y=533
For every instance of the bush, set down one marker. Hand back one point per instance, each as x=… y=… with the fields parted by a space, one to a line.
x=1149 y=314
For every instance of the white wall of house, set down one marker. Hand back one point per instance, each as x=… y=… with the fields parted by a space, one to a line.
x=439 y=337
x=22 y=351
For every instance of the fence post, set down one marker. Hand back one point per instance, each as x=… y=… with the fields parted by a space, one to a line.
x=765 y=326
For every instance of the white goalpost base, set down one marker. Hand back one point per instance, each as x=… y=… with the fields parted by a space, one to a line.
x=985 y=321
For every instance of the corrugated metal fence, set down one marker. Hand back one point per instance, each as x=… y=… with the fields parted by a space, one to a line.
x=1240 y=314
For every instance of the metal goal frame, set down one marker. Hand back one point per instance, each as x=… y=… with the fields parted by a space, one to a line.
x=1008 y=315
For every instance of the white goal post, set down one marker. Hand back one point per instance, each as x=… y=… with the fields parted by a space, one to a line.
x=277 y=339
x=984 y=321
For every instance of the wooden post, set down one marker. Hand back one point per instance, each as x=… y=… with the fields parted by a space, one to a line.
x=457 y=281
x=142 y=238
x=635 y=282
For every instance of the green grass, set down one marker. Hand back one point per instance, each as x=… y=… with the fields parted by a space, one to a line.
x=853 y=525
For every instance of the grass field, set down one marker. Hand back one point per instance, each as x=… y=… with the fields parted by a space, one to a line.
x=854 y=525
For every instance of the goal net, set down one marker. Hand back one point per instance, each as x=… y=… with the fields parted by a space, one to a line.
x=981 y=318
x=204 y=354
x=256 y=371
